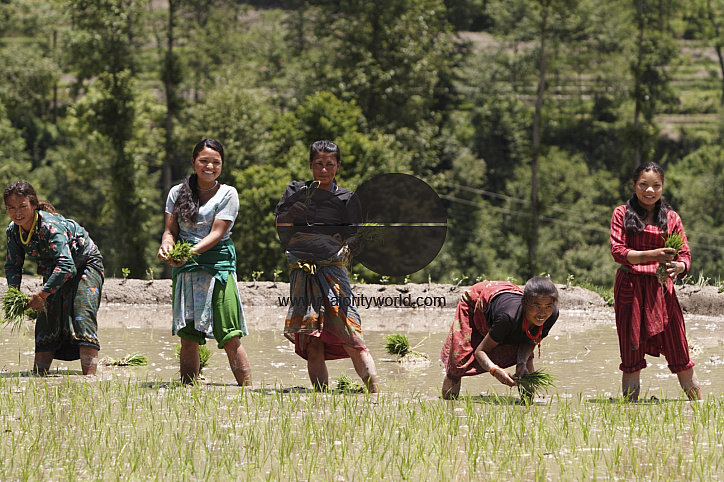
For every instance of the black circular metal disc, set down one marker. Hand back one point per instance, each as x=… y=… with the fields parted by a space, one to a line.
x=394 y=223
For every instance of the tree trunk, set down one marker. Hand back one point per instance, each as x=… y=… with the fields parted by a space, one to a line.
x=535 y=210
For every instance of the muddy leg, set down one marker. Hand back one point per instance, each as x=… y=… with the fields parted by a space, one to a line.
x=450 y=388
x=364 y=365
x=238 y=361
x=88 y=360
x=690 y=383
x=189 y=361
x=631 y=385
x=316 y=366
x=42 y=362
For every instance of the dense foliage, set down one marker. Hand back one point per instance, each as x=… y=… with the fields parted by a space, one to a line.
x=527 y=116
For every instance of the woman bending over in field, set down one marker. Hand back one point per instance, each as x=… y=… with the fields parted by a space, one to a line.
x=649 y=319
x=497 y=325
x=72 y=270
x=314 y=221
x=206 y=302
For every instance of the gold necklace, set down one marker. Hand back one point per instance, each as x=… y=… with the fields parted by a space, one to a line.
x=30 y=233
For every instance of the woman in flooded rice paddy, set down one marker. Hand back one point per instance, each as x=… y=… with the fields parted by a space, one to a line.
x=314 y=221
x=649 y=320
x=72 y=269
x=206 y=302
x=498 y=325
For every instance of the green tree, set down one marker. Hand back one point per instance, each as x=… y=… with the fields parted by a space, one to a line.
x=695 y=187
x=652 y=51
x=101 y=46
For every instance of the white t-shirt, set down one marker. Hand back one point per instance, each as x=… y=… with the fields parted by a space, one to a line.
x=223 y=205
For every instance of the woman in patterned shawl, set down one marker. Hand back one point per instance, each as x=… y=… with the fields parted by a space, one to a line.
x=498 y=325
x=206 y=302
x=315 y=222
x=72 y=271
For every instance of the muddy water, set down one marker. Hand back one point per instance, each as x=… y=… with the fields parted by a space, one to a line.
x=581 y=352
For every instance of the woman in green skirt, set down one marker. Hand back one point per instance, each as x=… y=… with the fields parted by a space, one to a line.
x=206 y=302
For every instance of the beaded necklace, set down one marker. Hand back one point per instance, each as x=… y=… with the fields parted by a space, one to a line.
x=536 y=339
x=30 y=233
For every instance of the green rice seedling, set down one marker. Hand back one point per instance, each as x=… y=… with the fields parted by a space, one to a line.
x=311 y=189
x=397 y=344
x=134 y=359
x=535 y=381
x=675 y=241
x=15 y=303
x=204 y=355
x=182 y=251
x=346 y=384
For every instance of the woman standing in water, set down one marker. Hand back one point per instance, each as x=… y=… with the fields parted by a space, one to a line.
x=323 y=322
x=206 y=302
x=649 y=320
x=72 y=269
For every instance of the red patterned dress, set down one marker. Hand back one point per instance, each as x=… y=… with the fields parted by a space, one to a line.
x=649 y=320
x=471 y=325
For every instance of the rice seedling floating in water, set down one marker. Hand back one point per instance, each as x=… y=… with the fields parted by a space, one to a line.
x=15 y=303
x=204 y=355
x=182 y=251
x=674 y=240
x=536 y=381
x=346 y=384
x=134 y=359
x=399 y=345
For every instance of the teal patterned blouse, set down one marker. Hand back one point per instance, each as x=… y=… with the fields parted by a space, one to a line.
x=58 y=245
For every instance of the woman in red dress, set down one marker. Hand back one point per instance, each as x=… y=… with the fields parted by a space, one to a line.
x=497 y=325
x=649 y=320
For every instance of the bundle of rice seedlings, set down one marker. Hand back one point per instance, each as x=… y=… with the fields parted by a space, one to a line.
x=346 y=384
x=397 y=344
x=134 y=359
x=182 y=251
x=15 y=303
x=536 y=381
x=674 y=240
x=204 y=355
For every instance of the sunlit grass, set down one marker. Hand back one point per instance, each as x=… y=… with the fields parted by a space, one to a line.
x=66 y=427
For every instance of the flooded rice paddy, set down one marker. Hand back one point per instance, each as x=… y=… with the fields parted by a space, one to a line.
x=581 y=352
x=138 y=423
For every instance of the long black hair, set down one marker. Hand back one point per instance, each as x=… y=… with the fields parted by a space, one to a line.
x=633 y=220
x=187 y=203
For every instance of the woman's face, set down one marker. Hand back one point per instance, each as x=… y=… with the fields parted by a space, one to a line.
x=21 y=211
x=648 y=188
x=207 y=166
x=324 y=167
x=539 y=310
